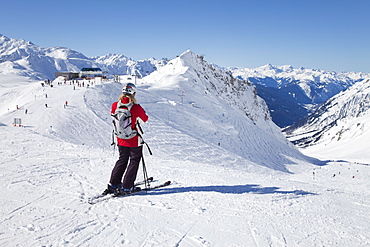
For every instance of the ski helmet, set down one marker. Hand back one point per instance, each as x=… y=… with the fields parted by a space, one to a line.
x=129 y=88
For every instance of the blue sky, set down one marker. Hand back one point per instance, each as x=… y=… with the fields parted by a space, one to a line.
x=318 y=34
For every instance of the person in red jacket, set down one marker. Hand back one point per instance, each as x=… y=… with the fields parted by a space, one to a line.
x=130 y=150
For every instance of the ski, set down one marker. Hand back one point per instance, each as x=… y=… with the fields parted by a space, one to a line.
x=110 y=196
x=99 y=197
x=145 y=189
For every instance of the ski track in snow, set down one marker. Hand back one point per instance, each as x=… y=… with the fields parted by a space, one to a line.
x=217 y=198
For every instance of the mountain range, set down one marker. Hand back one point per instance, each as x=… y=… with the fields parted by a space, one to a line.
x=290 y=94
x=27 y=59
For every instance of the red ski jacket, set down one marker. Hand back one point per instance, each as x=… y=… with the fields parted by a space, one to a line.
x=136 y=112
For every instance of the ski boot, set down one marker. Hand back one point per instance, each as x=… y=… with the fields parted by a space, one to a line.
x=111 y=189
x=120 y=191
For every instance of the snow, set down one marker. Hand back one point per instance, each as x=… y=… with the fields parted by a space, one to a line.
x=236 y=181
x=339 y=129
x=350 y=144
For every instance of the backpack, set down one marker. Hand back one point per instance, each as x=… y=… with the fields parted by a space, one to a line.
x=122 y=121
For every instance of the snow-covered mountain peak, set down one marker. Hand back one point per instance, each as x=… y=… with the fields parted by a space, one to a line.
x=189 y=58
x=110 y=58
x=192 y=72
x=12 y=49
x=63 y=53
x=269 y=67
x=3 y=39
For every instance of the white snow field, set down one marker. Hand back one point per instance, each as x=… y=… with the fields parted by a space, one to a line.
x=235 y=182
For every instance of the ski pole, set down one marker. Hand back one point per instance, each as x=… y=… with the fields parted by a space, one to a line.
x=147 y=184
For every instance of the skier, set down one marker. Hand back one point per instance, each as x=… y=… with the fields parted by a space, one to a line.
x=129 y=149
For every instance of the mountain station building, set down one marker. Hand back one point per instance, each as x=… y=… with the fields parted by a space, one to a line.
x=84 y=73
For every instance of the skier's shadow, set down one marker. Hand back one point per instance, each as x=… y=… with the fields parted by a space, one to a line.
x=230 y=189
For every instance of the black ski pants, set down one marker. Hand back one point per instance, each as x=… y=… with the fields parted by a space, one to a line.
x=134 y=154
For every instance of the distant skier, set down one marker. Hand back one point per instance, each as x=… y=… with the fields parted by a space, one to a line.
x=26 y=111
x=129 y=149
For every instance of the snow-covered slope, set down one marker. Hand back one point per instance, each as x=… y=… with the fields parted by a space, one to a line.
x=238 y=193
x=291 y=93
x=210 y=105
x=341 y=124
x=46 y=183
